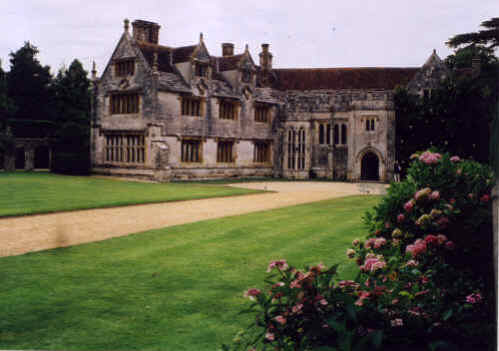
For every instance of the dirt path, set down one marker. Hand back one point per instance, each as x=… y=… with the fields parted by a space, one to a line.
x=40 y=232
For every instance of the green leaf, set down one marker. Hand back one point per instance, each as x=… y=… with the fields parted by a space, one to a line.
x=447 y=314
x=377 y=338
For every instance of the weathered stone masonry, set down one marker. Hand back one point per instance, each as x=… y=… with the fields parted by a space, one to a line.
x=180 y=113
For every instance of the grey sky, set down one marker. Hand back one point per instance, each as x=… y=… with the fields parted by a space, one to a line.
x=349 y=33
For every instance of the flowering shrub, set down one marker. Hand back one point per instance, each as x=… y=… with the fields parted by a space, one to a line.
x=445 y=195
x=303 y=309
x=424 y=273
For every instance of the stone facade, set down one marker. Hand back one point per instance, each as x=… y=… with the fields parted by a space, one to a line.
x=180 y=113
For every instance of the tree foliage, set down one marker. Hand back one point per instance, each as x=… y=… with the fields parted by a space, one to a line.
x=29 y=84
x=71 y=89
x=488 y=37
x=456 y=116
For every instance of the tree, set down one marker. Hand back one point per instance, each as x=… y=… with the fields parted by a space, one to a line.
x=71 y=89
x=488 y=37
x=6 y=104
x=28 y=85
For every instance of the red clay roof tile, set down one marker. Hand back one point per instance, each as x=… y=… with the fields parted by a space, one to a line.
x=342 y=78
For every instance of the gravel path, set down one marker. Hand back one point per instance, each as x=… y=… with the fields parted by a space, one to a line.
x=40 y=232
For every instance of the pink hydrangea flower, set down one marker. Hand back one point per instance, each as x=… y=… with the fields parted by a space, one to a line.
x=279 y=264
x=409 y=205
x=280 y=319
x=379 y=242
x=455 y=159
x=435 y=195
x=474 y=298
x=431 y=239
x=269 y=336
x=295 y=284
x=362 y=296
x=251 y=293
x=297 y=308
x=350 y=253
x=429 y=157
x=422 y=194
x=397 y=322
x=441 y=238
x=400 y=218
x=348 y=283
x=415 y=249
x=356 y=242
x=449 y=245
x=369 y=243
x=442 y=222
x=373 y=264
x=485 y=198
x=411 y=263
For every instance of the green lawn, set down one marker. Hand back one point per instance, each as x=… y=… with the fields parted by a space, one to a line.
x=24 y=193
x=178 y=288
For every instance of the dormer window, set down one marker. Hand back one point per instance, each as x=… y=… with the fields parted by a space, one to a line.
x=124 y=68
x=246 y=76
x=201 y=70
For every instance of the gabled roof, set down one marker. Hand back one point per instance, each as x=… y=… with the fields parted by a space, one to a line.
x=342 y=78
x=183 y=53
x=164 y=53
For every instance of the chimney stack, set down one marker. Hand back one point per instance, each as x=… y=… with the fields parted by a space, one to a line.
x=227 y=49
x=266 y=58
x=146 y=31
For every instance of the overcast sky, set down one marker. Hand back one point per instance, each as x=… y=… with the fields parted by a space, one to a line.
x=313 y=33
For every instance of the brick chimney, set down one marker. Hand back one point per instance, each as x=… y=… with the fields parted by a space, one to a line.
x=146 y=31
x=266 y=58
x=227 y=49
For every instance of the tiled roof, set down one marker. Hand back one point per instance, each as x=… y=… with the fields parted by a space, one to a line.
x=342 y=78
x=268 y=95
x=164 y=53
x=183 y=53
x=172 y=82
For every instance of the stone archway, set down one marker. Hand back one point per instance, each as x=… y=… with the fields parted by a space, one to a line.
x=369 y=166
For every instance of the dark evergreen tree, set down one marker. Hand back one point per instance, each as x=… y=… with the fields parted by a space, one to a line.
x=488 y=37
x=29 y=89
x=72 y=107
x=457 y=116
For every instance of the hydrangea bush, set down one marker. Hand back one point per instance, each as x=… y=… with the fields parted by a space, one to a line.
x=424 y=273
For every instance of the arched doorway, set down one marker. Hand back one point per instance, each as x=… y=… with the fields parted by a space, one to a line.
x=20 y=158
x=369 y=167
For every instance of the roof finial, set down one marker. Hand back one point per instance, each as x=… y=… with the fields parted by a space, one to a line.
x=127 y=25
x=246 y=48
x=94 y=71
x=201 y=37
x=434 y=51
x=155 y=62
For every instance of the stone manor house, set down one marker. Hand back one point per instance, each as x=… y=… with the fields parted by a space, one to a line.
x=165 y=113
